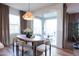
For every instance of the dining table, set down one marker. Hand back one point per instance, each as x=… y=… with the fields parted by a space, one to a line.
x=35 y=40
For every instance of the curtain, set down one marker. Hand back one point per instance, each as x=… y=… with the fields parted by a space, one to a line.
x=23 y=23
x=4 y=24
x=65 y=26
x=0 y=23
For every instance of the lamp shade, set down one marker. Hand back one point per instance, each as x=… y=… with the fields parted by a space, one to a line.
x=28 y=16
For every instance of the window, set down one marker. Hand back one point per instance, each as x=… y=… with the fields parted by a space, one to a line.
x=50 y=26
x=37 y=26
x=14 y=24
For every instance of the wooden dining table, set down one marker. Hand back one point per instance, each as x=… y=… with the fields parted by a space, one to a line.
x=34 y=41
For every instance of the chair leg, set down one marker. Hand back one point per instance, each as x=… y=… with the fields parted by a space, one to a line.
x=17 y=50
x=45 y=50
x=49 y=50
x=22 y=50
x=34 y=51
x=13 y=48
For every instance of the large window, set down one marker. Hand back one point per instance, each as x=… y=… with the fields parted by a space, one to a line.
x=14 y=24
x=50 y=28
x=37 y=26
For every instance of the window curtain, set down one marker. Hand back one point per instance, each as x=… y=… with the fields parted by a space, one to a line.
x=4 y=24
x=23 y=23
x=65 y=27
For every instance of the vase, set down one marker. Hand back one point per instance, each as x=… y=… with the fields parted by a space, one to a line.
x=28 y=35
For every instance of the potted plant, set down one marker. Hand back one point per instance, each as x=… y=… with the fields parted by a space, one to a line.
x=28 y=32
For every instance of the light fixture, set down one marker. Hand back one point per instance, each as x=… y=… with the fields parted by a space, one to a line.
x=28 y=15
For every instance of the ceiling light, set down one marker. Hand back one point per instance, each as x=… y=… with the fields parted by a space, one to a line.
x=28 y=15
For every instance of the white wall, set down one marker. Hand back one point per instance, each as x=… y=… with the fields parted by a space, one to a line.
x=60 y=26
x=59 y=9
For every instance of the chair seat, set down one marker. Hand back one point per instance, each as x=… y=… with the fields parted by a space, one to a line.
x=29 y=44
x=47 y=42
x=25 y=47
x=41 y=48
x=44 y=48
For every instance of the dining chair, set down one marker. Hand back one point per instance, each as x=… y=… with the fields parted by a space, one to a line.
x=20 y=46
x=44 y=47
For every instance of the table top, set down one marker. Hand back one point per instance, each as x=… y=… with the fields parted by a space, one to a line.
x=24 y=38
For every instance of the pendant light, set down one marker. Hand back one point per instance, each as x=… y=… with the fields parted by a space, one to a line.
x=28 y=15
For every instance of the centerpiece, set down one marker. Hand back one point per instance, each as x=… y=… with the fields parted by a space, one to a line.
x=28 y=32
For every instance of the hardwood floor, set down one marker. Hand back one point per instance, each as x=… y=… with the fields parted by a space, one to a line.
x=7 y=51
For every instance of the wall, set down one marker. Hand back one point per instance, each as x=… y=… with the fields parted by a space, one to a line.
x=60 y=26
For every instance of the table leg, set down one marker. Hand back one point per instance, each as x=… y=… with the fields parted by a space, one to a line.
x=34 y=49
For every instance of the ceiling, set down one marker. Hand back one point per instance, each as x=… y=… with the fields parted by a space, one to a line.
x=24 y=6
x=73 y=7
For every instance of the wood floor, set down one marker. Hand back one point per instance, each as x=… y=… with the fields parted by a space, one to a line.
x=7 y=51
